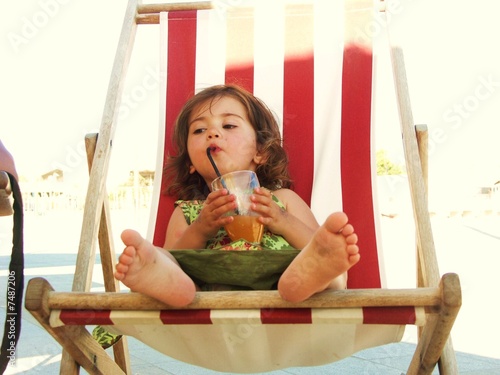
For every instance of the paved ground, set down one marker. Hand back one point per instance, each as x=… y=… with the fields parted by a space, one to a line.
x=469 y=246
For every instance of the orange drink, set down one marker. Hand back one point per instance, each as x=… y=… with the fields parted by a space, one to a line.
x=246 y=227
x=245 y=223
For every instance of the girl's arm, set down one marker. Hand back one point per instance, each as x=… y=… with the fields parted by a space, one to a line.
x=176 y=233
x=296 y=224
x=180 y=235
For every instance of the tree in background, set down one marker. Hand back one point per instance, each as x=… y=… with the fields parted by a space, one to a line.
x=385 y=166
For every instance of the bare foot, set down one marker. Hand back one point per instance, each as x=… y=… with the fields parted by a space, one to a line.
x=331 y=252
x=149 y=270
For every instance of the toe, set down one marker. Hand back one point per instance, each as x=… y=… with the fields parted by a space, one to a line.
x=131 y=238
x=351 y=239
x=352 y=249
x=347 y=230
x=353 y=259
x=127 y=257
x=336 y=222
x=121 y=268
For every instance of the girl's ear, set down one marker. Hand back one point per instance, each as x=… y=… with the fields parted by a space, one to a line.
x=192 y=169
x=259 y=158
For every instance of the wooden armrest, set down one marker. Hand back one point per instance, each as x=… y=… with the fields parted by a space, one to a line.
x=428 y=297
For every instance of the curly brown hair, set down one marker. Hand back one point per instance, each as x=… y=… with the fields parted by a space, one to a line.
x=272 y=173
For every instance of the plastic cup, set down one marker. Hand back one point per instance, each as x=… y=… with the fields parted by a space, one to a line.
x=245 y=224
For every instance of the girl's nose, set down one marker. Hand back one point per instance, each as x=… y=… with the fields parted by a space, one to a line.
x=213 y=133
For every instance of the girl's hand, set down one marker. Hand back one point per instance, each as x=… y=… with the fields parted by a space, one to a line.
x=296 y=223
x=272 y=215
x=211 y=217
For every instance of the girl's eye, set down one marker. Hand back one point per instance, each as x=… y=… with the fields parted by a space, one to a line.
x=229 y=126
x=198 y=131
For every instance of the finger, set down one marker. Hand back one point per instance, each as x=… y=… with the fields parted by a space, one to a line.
x=216 y=194
x=221 y=206
x=263 y=191
x=264 y=220
x=264 y=200
x=217 y=201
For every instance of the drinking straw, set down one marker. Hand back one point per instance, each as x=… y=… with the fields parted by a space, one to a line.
x=209 y=154
x=223 y=183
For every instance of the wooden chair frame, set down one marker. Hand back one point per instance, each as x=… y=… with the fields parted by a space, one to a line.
x=441 y=296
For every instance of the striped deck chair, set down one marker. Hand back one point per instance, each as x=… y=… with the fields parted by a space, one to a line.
x=313 y=65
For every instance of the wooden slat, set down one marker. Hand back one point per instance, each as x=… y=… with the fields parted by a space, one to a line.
x=422 y=135
x=429 y=270
x=150 y=13
x=422 y=141
x=147 y=19
x=166 y=7
x=195 y=5
x=249 y=300
x=108 y=258
x=418 y=192
x=107 y=251
x=97 y=181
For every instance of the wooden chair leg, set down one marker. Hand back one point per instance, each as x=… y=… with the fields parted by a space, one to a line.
x=435 y=336
x=95 y=196
x=76 y=340
x=108 y=259
x=421 y=133
x=68 y=365
x=447 y=363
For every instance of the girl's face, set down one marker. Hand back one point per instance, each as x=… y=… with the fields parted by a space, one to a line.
x=222 y=125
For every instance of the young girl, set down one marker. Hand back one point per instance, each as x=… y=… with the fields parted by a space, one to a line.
x=243 y=135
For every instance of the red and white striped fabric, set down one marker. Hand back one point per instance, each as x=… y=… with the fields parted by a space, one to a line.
x=252 y=341
x=365 y=315
x=312 y=64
